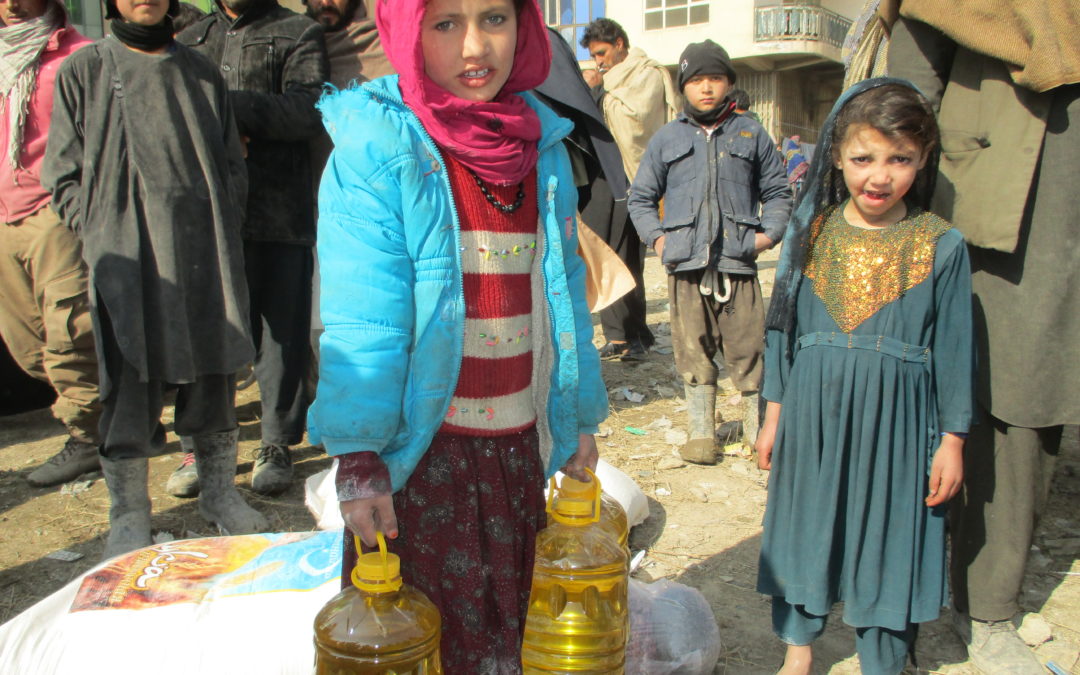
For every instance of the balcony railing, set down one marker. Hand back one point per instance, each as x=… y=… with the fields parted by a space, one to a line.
x=798 y=22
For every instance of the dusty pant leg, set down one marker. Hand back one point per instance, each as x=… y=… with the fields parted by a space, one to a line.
x=693 y=329
x=741 y=323
x=131 y=410
x=279 y=283
x=1007 y=476
x=45 y=316
x=793 y=624
x=883 y=651
x=206 y=406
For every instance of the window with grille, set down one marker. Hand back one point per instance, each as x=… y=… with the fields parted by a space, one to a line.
x=674 y=13
x=570 y=18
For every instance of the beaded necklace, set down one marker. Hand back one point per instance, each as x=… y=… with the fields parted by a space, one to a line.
x=493 y=200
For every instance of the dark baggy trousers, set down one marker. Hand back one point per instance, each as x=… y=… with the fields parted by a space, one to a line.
x=1007 y=476
x=279 y=284
x=131 y=409
x=623 y=320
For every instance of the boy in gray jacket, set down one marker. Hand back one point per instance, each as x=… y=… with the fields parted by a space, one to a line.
x=717 y=171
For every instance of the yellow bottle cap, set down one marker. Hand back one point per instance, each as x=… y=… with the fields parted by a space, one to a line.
x=377 y=572
x=577 y=503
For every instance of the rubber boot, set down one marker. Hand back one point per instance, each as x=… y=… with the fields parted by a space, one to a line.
x=129 y=511
x=701 y=409
x=751 y=419
x=184 y=481
x=219 y=501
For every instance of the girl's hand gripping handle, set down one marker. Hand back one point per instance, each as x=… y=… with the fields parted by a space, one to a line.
x=586 y=456
x=365 y=496
x=366 y=516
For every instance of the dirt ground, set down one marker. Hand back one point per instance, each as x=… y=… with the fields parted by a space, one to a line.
x=703 y=529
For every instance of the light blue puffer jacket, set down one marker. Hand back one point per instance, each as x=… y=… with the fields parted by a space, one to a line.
x=392 y=301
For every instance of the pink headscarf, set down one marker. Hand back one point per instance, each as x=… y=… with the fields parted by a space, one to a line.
x=497 y=138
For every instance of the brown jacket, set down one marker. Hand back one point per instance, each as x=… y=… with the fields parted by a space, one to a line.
x=991 y=132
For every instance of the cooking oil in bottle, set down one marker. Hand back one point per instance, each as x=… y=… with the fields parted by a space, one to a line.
x=612 y=514
x=378 y=626
x=577 y=620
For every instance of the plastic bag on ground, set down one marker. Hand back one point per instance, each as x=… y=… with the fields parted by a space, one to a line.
x=672 y=630
x=320 y=498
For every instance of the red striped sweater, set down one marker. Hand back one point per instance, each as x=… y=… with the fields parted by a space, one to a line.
x=498 y=254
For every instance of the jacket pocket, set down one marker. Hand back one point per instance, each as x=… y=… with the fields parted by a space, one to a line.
x=679 y=167
x=740 y=169
x=258 y=65
x=740 y=237
x=67 y=315
x=678 y=243
x=955 y=143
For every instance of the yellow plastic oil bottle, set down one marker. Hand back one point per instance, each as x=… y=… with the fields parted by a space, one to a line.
x=378 y=626
x=612 y=514
x=578 y=620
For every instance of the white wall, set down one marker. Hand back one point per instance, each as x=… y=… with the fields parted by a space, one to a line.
x=731 y=25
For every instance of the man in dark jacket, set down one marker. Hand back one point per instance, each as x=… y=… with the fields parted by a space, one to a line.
x=602 y=189
x=274 y=63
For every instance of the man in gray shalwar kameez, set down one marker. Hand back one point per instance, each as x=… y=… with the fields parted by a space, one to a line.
x=145 y=163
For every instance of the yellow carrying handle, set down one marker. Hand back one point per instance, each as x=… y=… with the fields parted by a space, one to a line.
x=357 y=580
x=594 y=515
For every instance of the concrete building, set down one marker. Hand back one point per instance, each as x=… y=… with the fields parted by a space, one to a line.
x=786 y=52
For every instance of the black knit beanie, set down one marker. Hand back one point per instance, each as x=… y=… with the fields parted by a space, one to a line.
x=704 y=58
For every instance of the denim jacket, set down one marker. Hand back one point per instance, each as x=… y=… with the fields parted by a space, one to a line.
x=714 y=187
x=392 y=299
x=274 y=62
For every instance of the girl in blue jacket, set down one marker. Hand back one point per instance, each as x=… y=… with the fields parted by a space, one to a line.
x=457 y=367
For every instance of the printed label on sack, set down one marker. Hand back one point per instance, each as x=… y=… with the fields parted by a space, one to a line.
x=189 y=571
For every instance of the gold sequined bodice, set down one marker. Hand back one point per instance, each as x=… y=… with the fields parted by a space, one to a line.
x=857 y=271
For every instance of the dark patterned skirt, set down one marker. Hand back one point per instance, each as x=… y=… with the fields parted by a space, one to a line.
x=467 y=521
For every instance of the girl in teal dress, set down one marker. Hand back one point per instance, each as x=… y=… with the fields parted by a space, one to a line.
x=869 y=386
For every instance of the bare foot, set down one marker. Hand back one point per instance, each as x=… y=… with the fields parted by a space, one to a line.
x=797 y=660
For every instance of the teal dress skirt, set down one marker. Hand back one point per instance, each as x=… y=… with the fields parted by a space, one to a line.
x=862 y=415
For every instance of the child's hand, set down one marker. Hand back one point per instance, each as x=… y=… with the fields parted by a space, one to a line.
x=658 y=246
x=763 y=447
x=946 y=471
x=762 y=243
x=767 y=436
x=586 y=456
x=365 y=516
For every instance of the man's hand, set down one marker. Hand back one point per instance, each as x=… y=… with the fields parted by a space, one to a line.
x=658 y=246
x=592 y=77
x=586 y=456
x=947 y=470
x=365 y=516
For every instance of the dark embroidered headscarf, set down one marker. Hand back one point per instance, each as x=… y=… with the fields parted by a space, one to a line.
x=824 y=187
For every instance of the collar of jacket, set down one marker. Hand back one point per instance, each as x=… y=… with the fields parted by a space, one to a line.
x=724 y=124
x=553 y=129
x=54 y=40
x=257 y=10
